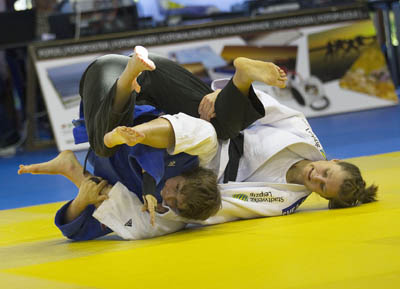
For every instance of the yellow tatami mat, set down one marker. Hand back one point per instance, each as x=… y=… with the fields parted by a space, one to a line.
x=313 y=248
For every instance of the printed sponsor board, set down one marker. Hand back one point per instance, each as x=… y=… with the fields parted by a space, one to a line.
x=332 y=68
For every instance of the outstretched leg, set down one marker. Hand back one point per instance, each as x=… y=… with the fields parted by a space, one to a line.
x=107 y=98
x=249 y=70
x=64 y=164
x=138 y=63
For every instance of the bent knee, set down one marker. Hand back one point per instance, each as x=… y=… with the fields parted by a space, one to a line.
x=110 y=61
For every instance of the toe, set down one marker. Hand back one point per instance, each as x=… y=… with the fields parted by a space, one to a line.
x=151 y=64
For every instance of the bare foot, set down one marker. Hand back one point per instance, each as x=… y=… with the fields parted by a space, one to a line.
x=140 y=62
x=123 y=135
x=248 y=70
x=63 y=164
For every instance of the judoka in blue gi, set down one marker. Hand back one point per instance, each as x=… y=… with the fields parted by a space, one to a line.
x=140 y=161
x=126 y=166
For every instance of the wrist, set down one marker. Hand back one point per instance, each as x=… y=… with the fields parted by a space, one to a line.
x=74 y=210
x=79 y=204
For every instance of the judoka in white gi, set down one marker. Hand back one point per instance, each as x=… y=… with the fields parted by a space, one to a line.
x=273 y=146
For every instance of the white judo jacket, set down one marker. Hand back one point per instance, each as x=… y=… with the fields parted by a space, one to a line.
x=280 y=128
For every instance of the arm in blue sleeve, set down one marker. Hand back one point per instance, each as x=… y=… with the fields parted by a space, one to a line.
x=85 y=227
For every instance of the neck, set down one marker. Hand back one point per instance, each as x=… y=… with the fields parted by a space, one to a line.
x=295 y=174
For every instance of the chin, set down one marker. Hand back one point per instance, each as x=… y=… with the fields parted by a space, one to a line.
x=308 y=187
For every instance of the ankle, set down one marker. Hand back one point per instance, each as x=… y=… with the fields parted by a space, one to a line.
x=242 y=83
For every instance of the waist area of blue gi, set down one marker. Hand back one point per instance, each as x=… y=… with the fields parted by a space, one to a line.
x=127 y=165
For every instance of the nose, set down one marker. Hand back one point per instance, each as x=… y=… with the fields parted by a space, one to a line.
x=317 y=177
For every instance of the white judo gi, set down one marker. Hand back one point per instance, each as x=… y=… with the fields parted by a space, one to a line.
x=271 y=146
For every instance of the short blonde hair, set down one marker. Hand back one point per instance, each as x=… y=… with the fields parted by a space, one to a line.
x=201 y=194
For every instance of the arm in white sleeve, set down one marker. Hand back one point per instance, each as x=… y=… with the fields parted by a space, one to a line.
x=193 y=136
x=122 y=213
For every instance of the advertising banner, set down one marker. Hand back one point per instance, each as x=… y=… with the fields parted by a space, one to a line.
x=59 y=82
x=331 y=68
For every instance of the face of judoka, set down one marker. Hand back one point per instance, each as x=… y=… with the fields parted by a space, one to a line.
x=171 y=192
x=324 y=178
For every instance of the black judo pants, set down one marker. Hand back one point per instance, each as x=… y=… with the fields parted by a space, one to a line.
x=170 y=88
